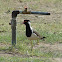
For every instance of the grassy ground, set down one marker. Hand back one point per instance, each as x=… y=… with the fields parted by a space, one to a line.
x=48 y=26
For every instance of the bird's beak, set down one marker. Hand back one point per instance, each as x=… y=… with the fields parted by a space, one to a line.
x=22 y=23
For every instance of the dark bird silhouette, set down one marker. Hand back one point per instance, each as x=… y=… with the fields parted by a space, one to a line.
x=30 y=33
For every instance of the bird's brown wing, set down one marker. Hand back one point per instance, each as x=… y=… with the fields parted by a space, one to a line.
x=38 y=34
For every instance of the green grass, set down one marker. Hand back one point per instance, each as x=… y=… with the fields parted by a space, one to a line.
x=13 y=59
x=48 y=26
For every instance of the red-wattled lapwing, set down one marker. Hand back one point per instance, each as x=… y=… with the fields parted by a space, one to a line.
x=30 y=33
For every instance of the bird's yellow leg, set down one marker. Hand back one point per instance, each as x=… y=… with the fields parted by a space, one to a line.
x=37 y=42
x=31 y=46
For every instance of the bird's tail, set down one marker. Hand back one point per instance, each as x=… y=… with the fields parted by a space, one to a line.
x=43 y=38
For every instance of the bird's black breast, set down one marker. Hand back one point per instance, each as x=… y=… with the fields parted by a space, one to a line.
x=28 y=31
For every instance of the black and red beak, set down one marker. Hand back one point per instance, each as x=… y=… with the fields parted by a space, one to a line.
x=24 y=22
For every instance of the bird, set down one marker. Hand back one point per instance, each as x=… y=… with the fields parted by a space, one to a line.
x=31 y=34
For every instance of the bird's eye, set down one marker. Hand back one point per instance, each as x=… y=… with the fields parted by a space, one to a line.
x=25 y=21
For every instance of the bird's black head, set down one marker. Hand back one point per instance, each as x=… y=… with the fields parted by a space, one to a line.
x=26 y=22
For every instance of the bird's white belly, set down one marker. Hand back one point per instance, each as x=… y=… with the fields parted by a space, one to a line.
x=33 y=37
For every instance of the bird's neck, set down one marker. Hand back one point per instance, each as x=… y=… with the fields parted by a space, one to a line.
x=28 y=30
